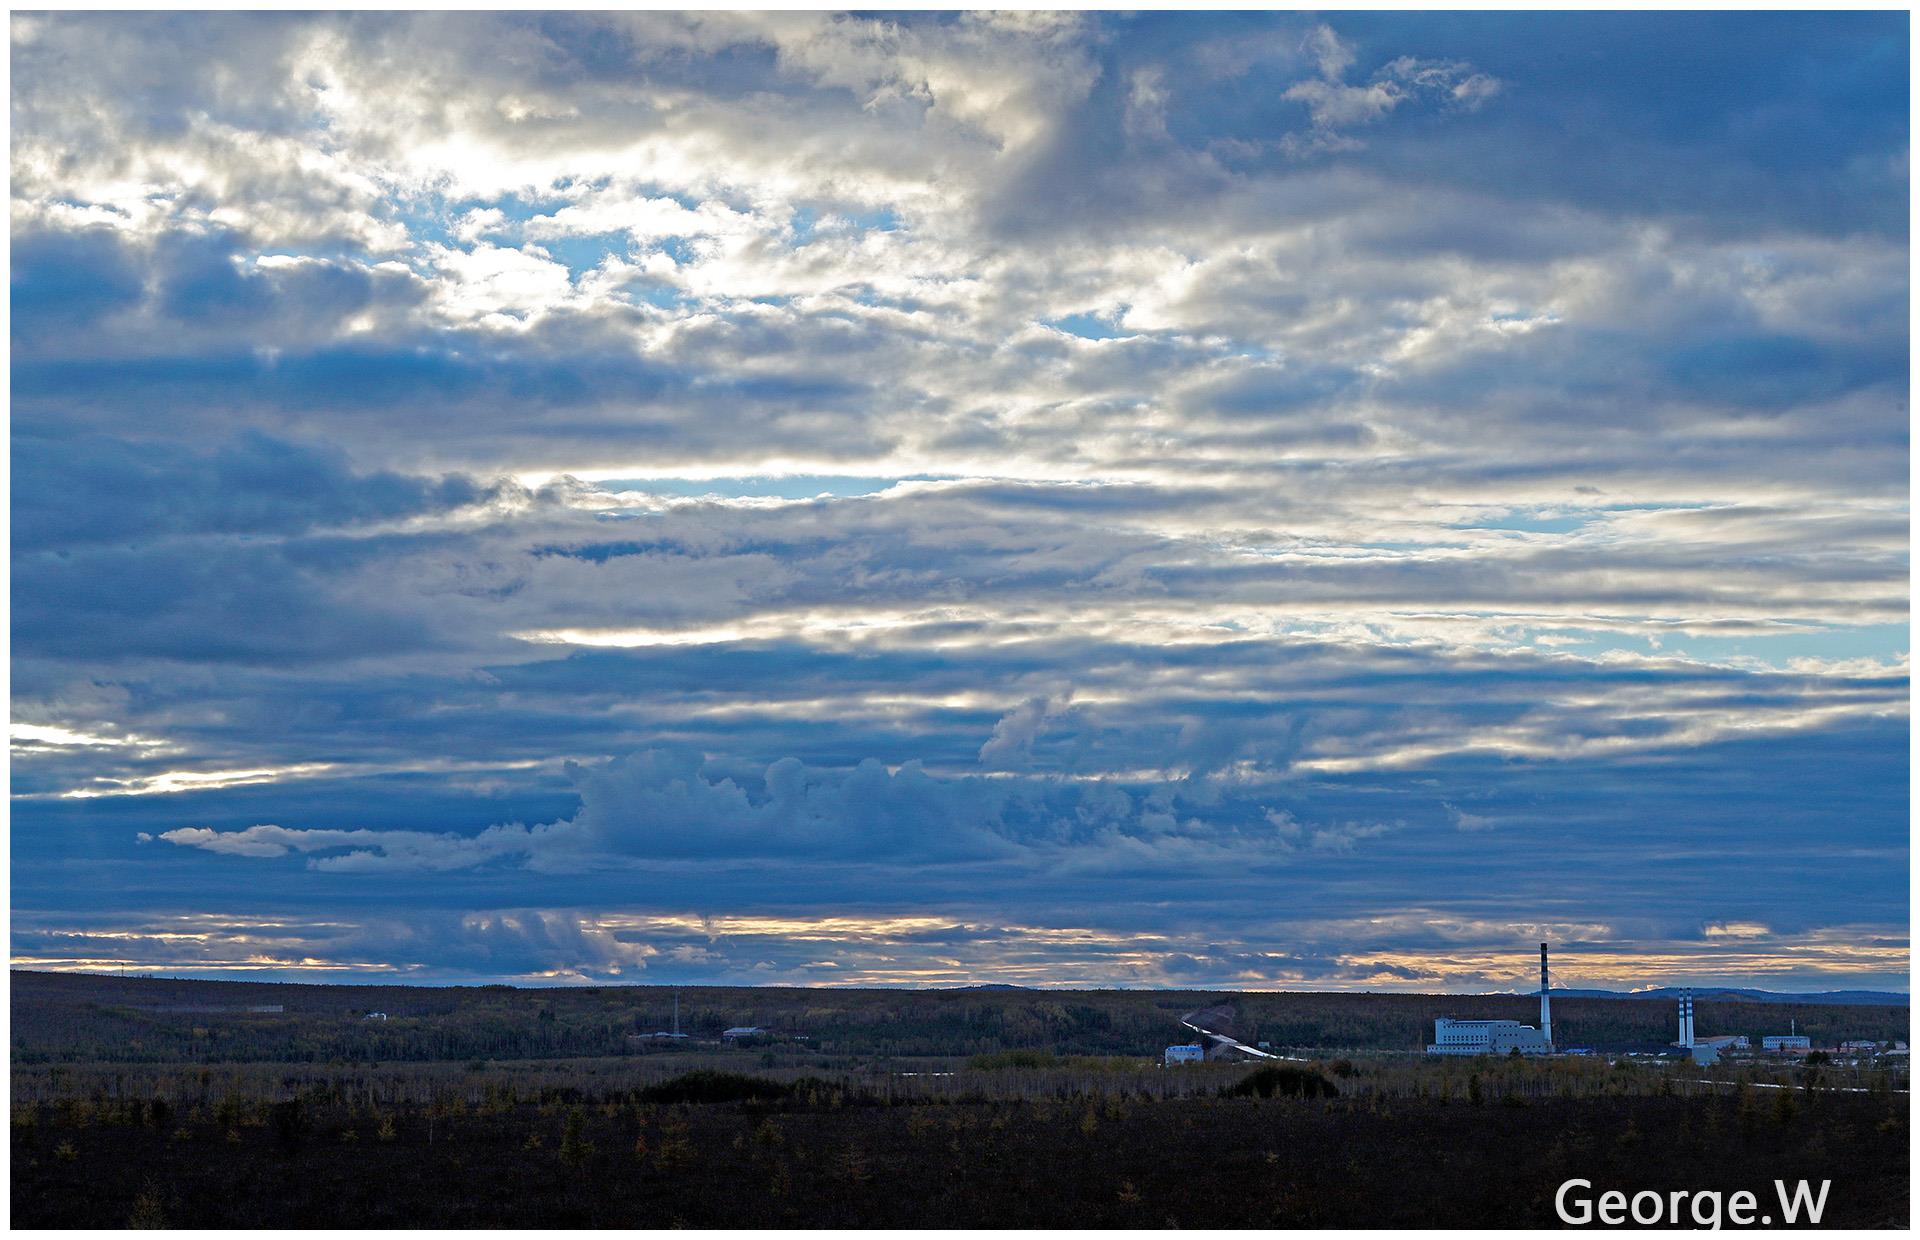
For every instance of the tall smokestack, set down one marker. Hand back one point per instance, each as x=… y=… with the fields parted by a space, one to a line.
x=1680 y=1006
x=1546 y=1009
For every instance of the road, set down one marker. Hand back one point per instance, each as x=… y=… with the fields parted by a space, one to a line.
x=1234 y=1044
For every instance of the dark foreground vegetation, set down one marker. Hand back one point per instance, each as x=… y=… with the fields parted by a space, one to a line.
x=1086 y=1152
x=975 y=1133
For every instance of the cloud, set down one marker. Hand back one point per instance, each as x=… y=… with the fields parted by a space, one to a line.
x=582 y=944
x=86 y=489
x=1378 y=469
x=1463 y=821
x=68 y=280
x=1335 y=105
x=1014 y=735
x=661 y=805
x=358 y=850
x=1738 y=930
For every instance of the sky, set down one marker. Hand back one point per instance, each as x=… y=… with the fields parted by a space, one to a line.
x=1170 y=500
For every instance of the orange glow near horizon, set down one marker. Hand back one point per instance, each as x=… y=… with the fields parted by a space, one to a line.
x=923 y=950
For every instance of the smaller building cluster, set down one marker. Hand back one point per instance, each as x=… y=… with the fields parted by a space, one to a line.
x=1505 y=1037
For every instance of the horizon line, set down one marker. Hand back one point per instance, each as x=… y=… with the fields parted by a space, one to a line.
x=1574 y=991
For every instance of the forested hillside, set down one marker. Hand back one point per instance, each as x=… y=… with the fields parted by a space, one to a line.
x=72 y=1018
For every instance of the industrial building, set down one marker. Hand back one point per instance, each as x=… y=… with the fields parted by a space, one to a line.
x=1497 y=1037
x=1787 y=1043
x=674 y=1033
x=1685 y=1040
x=1192 y=1052
x=1486 y=1037
x=1704 y=1050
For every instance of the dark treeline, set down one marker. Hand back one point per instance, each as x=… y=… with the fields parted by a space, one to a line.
x=73 y=1018
x=721 y=1076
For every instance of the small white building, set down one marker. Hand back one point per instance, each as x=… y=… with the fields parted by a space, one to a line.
x=1787 y=1043
x=1486 y=1037
x=1192 y=1052
x=374 y=1016
x=743 y=1031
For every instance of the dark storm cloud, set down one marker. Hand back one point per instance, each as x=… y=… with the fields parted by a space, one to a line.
x=71 y=491
x=66 y=281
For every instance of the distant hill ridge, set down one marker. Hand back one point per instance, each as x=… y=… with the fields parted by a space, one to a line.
x=1891 y=998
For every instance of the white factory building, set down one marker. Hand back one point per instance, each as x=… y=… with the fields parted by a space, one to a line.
x=1191 y=1053
x=1497 y=1037
x=1486 y=1037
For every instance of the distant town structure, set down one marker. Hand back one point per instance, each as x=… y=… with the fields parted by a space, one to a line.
x=1861 y=1047
x=374 y=1016
x=1793 y=1042
x=1546 y=1010
x=1486 y=1037
x=1191 y=1052
x=1703 y=1051
x=1497 y=1037
x=662 y=1033
x=742 y=1031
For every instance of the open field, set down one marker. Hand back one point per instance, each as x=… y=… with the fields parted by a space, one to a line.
x=1079 y=1127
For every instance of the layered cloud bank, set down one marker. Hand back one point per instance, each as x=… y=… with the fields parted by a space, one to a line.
x=1174 y=499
